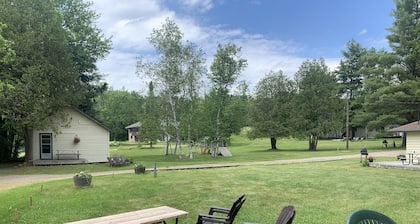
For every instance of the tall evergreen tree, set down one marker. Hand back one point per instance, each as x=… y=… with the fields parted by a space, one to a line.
x=150 y=118
x=350 y=81
x=393 y=79
x=405 y=35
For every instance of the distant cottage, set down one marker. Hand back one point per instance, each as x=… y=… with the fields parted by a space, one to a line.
x=133 y=132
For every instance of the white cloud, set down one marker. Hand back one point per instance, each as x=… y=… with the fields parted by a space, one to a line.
x=202 y=5
x=131 y=22
x=363 y=32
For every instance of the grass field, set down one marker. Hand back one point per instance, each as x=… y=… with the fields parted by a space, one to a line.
x=324 y=192
x=243 y=149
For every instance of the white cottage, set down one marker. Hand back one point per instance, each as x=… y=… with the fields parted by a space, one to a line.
x=81 y=140
x=412 y=131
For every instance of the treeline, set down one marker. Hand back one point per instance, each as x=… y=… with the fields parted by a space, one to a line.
x=380 y=89
x=48 y=51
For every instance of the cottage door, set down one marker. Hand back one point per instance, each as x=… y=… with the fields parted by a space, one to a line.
x=45 y=145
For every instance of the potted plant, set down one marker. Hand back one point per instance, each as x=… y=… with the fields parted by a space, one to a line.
x=76 y=139
x=82 y=179
x=139 y=168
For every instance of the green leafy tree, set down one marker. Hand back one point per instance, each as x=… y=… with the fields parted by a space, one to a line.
x=237 y=111
x=225 y=69
x=87 y=44
x=117 y=109
x=272 y=107
x=195 y=70
x=7 y=53
x=150 y=118
x=9 y=140
x=175 y=73
x=317 y=106
x=42 y=75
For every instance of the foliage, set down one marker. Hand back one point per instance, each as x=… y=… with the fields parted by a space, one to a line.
x=365 y=163
x=272 y=107
x=7 y=53
x=392 y=79
x=225 y=69
x=318 y=108
x=350 y=81
x=175 y=74
x=83 y=174
x=390 y=97
x=117 y=109
x=87 y=44
x=405 y=34
x=45 y=73
x=42 y=74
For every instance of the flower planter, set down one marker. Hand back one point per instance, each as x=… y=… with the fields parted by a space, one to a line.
x=82 y=181
x=139 y=170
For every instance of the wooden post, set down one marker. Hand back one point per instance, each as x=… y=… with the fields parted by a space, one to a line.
x=30 y=201
x=16 y=215
x=42 y=186
x=155 y=171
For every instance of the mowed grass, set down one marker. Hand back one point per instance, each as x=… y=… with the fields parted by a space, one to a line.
x=324 y=192
x=243 y=150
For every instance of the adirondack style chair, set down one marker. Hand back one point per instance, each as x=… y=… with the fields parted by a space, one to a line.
x=224 y=215
x=287 y=215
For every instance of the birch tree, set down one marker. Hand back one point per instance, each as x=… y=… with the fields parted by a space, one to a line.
x=225 y=69
x=174 y=73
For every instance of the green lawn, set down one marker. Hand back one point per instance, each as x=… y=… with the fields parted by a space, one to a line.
x=243 y=150
x=325 y=192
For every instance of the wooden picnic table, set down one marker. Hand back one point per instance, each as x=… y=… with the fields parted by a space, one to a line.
x=144 y=216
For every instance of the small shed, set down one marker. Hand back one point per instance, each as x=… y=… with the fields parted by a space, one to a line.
x=412 y=131
x=81 y=139
x=133 y=132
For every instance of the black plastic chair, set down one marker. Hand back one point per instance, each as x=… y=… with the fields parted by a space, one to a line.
x=369 y=217
x=287 y=215
x=228 y=214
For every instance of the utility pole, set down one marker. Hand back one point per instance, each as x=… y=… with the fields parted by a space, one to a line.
x=347 y=119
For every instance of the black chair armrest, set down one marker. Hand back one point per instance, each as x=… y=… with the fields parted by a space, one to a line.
x=212 y=218
x=216 y=209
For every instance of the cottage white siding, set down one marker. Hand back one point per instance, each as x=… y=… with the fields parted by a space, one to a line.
x=413 y=142
x=94 y=138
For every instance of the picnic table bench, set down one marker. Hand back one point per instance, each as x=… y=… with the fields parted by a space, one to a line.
x=68 y=154
x=145 y=216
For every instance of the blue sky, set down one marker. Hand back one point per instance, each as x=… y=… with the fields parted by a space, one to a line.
x=274 y=34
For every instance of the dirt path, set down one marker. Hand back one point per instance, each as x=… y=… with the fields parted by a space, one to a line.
x=12 y=181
